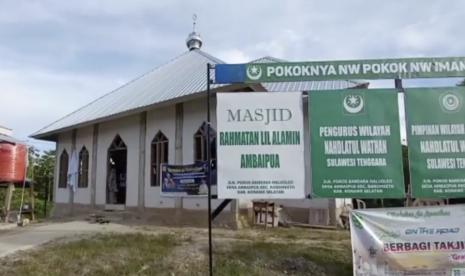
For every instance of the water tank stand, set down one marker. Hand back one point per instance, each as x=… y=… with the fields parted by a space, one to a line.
x=10 y=188
x=8 y=197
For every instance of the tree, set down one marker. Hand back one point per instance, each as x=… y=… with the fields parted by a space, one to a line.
x=32 y=155
x=43 y=170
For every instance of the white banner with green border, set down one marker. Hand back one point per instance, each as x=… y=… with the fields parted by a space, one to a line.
x=409 y=241
x=260 y=145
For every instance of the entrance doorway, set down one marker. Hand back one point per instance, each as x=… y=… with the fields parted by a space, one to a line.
x=116 y=172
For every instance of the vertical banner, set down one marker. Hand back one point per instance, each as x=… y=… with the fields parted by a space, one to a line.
x=355 y=144
x=409 y=241
x=436 y=141
x=260 y=145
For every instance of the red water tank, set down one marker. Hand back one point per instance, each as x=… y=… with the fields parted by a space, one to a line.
x=12 y=162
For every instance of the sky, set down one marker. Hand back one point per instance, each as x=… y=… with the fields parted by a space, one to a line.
x=56 y=56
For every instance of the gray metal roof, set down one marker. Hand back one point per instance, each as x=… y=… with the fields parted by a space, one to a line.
x=182 y=76
x=267 y=59
x=9 y=139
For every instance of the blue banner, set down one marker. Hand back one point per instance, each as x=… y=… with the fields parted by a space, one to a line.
x=185 y=180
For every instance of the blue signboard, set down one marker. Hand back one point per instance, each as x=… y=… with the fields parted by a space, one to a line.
x=230 y=73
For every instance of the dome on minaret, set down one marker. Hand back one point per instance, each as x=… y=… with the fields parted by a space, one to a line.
x=193 y=41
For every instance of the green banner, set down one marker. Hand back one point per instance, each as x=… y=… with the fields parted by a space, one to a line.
x=355 y=69
x=355 y=144
x=436 y=139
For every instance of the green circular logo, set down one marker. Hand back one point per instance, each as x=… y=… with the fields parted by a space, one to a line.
x=254 y=72
x=353 y=103
x=450 y=102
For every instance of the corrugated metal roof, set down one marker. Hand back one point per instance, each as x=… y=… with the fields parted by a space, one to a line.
x=267 y=59
x=182 y=76
x=308 y=85
x=9 y=139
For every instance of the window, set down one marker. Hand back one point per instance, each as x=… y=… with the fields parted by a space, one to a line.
x=83 y=176
x=200 y=143
x=117 y=144
x=159 y=155
x=63 y=174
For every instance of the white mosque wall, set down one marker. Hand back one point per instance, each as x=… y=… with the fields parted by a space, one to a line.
x=128 y=129
x=62 y=195
x=161 y=119
x=84 y=139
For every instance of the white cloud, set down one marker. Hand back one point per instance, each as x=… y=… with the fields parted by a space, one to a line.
x=57 y=55
x=233 y=56
x=31 y=99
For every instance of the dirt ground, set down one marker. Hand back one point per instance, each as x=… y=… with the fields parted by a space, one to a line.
x=113 y=249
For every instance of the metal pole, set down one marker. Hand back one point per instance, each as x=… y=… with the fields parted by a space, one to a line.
x=398 y=85
x=47 y=180
x=210 y=253
x=45 y=198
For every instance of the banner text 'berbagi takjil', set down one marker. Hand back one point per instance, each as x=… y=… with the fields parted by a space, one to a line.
x=408 y=241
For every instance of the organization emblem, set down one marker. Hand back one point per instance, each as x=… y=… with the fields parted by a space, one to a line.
x=254 y=72
x=450 y=102
x=353 y=104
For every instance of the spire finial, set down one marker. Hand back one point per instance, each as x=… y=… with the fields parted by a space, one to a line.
x=193 y=40
x=194 y=22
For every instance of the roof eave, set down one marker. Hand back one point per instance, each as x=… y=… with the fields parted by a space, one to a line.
x=53 y=135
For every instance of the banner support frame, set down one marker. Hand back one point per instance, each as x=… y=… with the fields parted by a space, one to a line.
x=210 y=249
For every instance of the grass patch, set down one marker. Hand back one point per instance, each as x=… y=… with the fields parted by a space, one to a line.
x=307 y=234
x=294 y=234
x=252 y=252
x=110 y=254
x=260 y=258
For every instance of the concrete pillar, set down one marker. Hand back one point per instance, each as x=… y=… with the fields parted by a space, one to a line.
x=73 y=149
x=235 y=213
x=179 y=121
x=56 y=171
x=332 y=211
x=93 y=172
x=142 y=152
